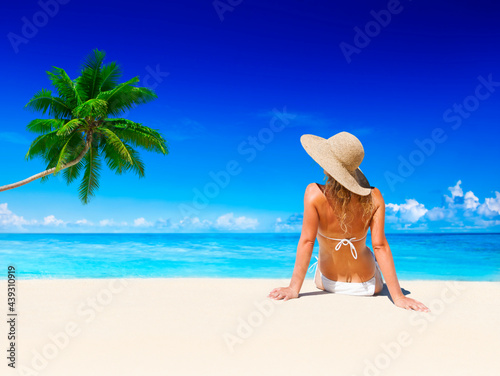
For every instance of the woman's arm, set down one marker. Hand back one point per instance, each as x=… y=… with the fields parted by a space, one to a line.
x=304 y=249
x=384 y=257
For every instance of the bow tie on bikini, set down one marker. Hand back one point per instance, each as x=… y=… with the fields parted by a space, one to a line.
x=346 y=241
x=340 y=243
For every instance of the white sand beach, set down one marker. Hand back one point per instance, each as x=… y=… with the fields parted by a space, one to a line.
x=230 y=327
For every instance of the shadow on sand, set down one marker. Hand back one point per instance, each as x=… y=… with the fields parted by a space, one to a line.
x=384 y=292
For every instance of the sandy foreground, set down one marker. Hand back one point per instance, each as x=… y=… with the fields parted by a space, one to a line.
x=229 y=327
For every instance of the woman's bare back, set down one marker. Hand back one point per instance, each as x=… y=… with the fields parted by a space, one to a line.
x=341 y=265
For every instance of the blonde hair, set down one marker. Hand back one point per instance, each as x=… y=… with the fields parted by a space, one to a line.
x=341 y=198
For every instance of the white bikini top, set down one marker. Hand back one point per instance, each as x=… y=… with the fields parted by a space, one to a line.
x=346 y=241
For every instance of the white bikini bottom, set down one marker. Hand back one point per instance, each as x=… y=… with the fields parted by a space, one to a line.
x=366 y=288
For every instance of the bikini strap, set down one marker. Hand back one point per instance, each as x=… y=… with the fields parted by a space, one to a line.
x=346 y=241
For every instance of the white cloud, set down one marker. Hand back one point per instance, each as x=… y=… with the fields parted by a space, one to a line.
x=471 y=201
x=142 y=222
x=292 y=224
x=409 y=212
x=106 y=222
x=163 y=223
x=456 y=191
x=491 y=206
x=464 y=212
x=483 y=223
x=438 y=214
x=51 y=220
x=468 y=201
x=192 y=223
x=230 y=222
x=84 y=222
x=8 y=218
x=226 y=222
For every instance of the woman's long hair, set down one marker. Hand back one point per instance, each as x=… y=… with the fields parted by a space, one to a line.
x=340 y=197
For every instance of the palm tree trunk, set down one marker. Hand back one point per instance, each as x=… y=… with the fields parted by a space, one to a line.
x=50 y=170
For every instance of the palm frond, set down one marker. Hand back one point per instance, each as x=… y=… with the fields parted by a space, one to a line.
x=137 y=164
x=44 y=125
x=90 y=180
x=66 y=88
x=125 y=97
x=121 y=157
x=70 y=126
x=117 y=144
x=108 y=95
x=77 y=145
x=49 y=147
x=89 y=83
x=138 y=135
x=43 y=144
x=50 y=157
x=44 y=101
x=70 y=174
x=114 y=159
x=110 y=73
x=95 y=108
x=66 y=153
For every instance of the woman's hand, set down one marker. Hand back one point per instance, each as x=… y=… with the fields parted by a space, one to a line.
x=284 y=293
x=410 y=304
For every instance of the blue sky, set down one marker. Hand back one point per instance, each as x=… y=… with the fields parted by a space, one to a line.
x=417 y=82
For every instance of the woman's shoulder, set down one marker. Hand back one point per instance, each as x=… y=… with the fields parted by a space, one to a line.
x=314 y=190
x=312 y=187
x=377 y=197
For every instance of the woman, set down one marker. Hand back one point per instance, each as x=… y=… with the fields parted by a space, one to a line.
x=339 y=214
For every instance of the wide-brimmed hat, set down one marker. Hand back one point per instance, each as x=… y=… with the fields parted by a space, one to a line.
x=340 y=156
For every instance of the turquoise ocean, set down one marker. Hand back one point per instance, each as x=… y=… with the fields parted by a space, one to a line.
x=467 y=257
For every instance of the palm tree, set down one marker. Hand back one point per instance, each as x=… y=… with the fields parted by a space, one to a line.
x=82 y=130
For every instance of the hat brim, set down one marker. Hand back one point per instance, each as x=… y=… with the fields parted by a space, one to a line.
x=319 y=150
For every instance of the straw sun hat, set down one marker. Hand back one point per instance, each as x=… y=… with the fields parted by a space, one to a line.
x=340 y=156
